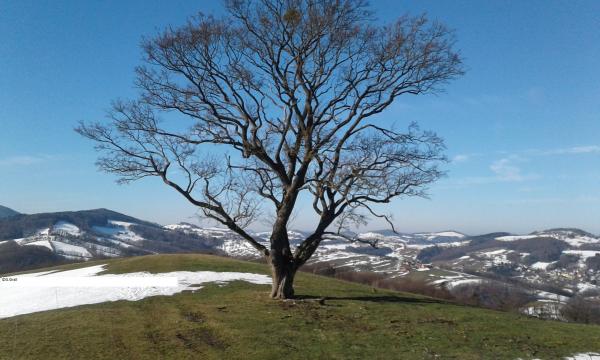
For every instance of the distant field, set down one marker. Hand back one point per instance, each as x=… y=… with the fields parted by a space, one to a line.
x=239 y=321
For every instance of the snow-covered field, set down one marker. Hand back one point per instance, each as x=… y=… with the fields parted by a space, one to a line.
x=19 y=300
x=584 y=356
x=67 y=228
x=71 y=251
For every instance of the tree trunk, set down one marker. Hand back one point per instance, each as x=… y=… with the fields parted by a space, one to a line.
x=283 y=279
x=283 y=265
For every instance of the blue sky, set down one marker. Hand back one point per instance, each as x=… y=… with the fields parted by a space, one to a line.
x=522 y=126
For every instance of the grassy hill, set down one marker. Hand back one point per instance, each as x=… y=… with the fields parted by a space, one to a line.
x=238 y=321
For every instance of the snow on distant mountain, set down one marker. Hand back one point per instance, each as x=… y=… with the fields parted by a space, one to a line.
x=439 y=236
x=394 y=253
x=560 y=262
x=573 y=237
x=557 y=263
x=85 y=235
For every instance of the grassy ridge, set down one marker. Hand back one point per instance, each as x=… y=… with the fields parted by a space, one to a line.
x=238 y=321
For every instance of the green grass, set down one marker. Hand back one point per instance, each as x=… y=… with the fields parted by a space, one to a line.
x=239 y=321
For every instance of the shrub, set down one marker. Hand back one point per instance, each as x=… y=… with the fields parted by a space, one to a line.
x=581 y=310
x=593 y=263
x=14 y=258
x=493 y=295
x=564 y=262
x=540 y=249
x=378 y=280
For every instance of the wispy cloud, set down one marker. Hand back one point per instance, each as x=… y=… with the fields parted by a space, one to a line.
x=24 y=160
x=508 y=166
x=506 y=169
x=581 y=199
x=465 y=157
x=587 y=149
x=461 y=158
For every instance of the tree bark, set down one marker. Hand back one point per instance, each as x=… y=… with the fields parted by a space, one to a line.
x=283 y=279
x=283 y=265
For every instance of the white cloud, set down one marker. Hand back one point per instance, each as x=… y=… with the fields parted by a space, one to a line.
x=588 y=149
x=24 y=160
x=460 y=158
x=506 y=170
x=581 y=199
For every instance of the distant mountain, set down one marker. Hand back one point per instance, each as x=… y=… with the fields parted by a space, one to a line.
x=6 y=212
x=553 y=264
x=395 y=253
x=30 y=241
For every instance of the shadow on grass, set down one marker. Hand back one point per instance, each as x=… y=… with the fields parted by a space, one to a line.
x=374 y=298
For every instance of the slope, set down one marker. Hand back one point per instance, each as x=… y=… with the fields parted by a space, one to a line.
x=47 y=239
x=7 y=212
x=238 y=321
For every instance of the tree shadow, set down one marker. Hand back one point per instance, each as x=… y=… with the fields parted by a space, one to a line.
x=375 y=298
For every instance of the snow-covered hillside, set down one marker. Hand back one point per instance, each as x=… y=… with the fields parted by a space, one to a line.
x=558 y=263
x=394 y=254
x=85 y=235
x=69 y=241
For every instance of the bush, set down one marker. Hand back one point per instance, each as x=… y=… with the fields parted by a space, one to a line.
x=15 y=258
x=428 y=253
x=438 y=253
x=564 y=262
x=593 y=263
x=540 y=249
x=493 y=295
x=504 y=270
x=581 y=310
x=378 y=280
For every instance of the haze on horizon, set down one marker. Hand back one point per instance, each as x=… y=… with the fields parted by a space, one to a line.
x=521 y=127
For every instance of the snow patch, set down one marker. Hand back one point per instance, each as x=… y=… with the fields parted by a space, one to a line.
x=516 y=237
x=67 y=228
x=27 y=300
x=540 y=265
x=584 y=356
x=584 y=254
x=442 y=234
x=73 y=251
x=450 y=234
x=44 y=243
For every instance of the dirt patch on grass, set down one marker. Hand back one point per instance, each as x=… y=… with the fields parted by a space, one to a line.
x=194 y=316
x=200 y=338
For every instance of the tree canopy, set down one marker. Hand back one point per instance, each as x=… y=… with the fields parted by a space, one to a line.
x=278 y=99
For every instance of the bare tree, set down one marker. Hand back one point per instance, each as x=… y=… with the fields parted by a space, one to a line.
x=285 y=93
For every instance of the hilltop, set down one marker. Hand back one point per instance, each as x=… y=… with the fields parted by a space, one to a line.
x=546 y=267
x=7 y=212
x=237 y=320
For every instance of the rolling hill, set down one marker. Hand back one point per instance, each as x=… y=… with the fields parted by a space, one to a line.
x=237 y=320
x=538 y=273
x=45 y=239
x=546 y=267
